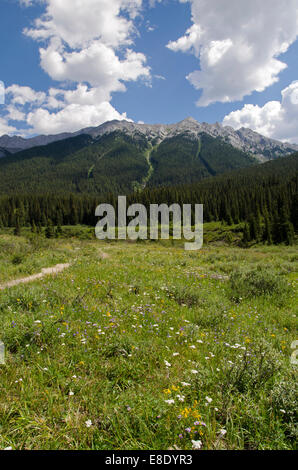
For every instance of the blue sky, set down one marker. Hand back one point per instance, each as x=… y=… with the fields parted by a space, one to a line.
x=89 y=61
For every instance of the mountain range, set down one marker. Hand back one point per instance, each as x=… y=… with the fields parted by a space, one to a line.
x=122 y=156
x=244 y=139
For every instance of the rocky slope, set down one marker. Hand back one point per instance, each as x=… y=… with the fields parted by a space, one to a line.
x=243 y=139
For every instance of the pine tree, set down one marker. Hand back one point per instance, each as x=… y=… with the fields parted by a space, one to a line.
x=267 y=234
x=286 y=227
x=246 y=234
x=33 y=227
x=49 y=233
x=58 y=231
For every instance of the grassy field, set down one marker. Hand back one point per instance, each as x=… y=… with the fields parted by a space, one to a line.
x=147 y=346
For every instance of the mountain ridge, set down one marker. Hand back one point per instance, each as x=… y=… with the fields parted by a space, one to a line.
x=244 y=139
x=119 y=161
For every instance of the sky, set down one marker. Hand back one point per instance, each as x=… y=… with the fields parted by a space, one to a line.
x=70 y=64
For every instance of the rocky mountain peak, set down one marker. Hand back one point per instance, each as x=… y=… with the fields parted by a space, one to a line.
x=244 y=139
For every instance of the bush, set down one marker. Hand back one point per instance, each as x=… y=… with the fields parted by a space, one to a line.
x=256 y=283
x=284 y=402
x=252 y=370
x=17 y=259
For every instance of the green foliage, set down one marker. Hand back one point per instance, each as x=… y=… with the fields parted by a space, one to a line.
x=284 y=401
x=257 y=282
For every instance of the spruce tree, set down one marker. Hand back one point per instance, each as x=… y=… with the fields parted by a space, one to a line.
x=49 y=233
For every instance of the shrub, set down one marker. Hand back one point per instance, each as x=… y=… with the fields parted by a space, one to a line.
x=255 y=283
x=17 y=259
x=284 y=401
x=252 y=370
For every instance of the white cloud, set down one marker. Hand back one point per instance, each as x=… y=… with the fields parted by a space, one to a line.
x=97 y=64
x=88 y=46
x=72 y=117
x=20 y=95
x=77 y=22
x=90 y=40
x=238 y=43
x=276 y=119
x=15 y=114
x=60 y=111
x=5 y=128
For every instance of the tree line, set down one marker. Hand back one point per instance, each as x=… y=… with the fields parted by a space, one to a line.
x=264 y=198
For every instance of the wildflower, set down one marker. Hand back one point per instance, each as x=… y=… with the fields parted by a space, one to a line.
x=8 y=448
x=71 y=394
x=185 y=384
x=193 y=371
x=167 y=364
x=181 y=397
x=196 y=445
x=208 y=399
x=188 y=429
x=223 y=432
x=170 y=402
x=88 y=423
x=175 y=354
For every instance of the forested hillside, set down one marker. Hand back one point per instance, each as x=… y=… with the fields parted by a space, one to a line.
x=117 y=162
x=181 y=160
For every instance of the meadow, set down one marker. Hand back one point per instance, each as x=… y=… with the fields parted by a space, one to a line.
x=147 y=346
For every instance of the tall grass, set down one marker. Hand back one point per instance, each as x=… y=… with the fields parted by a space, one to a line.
x=150 y=347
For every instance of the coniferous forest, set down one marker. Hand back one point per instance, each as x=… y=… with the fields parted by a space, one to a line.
x=262 y=197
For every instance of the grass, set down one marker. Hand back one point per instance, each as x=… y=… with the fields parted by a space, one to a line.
x=147 y=347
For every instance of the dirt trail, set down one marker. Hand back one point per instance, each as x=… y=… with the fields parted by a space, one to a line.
x=44 y=272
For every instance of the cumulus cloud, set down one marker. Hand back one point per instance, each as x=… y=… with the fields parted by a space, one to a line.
x=96 y=64
x=5 y=128
x=72 y=117
x=276 y=119
x=58 y=110
x=88 y=46
x=21 y=95
x=238 y=43
x=77 y=22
